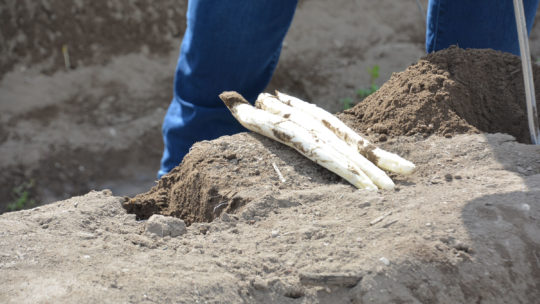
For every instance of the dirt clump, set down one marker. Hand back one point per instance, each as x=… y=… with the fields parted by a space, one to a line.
x=449 y=92
x=223 y=175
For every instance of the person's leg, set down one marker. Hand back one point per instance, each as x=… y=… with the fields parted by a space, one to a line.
x=475 y=24
x=228 y=45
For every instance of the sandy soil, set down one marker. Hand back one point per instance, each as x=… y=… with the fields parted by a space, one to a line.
x=463 y=228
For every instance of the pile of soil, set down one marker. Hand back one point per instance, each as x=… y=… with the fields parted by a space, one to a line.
x=450 y=92
x=223 y=175
x=446 y=93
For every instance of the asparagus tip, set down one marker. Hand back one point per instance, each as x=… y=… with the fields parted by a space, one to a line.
x=232 y=98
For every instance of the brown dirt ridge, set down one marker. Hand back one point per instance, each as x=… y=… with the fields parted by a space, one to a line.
x=446 y=93
x=223 y=175
x=449 y=92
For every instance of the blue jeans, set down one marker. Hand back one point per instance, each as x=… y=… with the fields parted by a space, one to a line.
x=229 y=45
x=235 y=45
x=475 y=24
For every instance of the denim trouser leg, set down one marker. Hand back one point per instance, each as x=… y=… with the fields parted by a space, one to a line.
x=228 y=45
x=475 y=24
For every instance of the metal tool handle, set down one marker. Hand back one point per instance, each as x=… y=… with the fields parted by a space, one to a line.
x=532 y=114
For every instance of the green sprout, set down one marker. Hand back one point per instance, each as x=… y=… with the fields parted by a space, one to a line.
x=361 y=94
x=347 y=102
x=22 y=199
x=374 y=74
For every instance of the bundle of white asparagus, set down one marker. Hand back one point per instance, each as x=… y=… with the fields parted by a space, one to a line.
x=319 y=136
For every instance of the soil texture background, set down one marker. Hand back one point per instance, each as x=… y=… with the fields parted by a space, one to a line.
x=463 y=228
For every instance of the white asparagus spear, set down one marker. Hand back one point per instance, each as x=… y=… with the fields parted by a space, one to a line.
x=271 y=104
x=295 y=136
x=384 y=159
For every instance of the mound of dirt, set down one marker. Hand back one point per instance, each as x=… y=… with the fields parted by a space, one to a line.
x=450 y=92
x=446 y=93
x=223 y=175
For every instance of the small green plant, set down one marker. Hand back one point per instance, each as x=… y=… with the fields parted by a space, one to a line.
x=361 y=94
x=374 y=75
x=22 y=199
x=347 y=102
